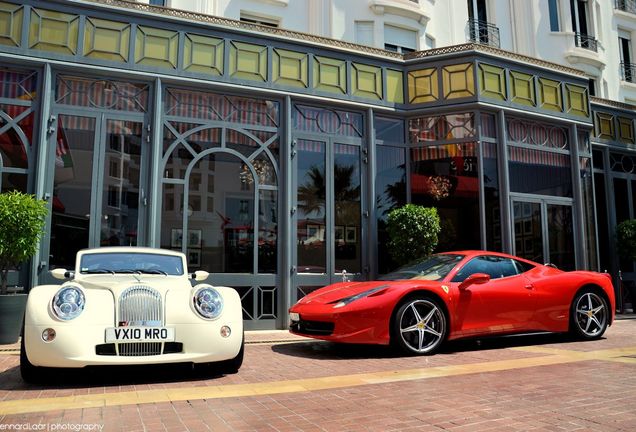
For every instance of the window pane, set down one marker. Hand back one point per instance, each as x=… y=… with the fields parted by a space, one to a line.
x=528 y=233
x=491 y=197
x=539 y=172
x=553 y=6
x=71 y=189
x=268 y=232
x=561 y=236
x=346 y=179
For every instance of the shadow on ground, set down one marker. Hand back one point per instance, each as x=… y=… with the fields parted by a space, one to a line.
x=321 y=350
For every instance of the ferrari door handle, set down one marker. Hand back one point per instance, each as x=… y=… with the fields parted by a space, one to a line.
x=529 y=286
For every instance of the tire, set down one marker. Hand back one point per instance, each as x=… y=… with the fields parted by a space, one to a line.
x=420 y=326
x=232 y=366
x=589 y=315
x=30 y=373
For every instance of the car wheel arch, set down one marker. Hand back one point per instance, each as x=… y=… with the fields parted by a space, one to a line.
x=419 y=293
x=598 y=290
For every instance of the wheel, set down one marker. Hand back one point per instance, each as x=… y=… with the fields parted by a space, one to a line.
x=30 y=373
x=588 y=315
x=419 y=326
x=232 y=366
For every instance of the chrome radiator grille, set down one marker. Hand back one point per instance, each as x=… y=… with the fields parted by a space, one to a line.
x=139 y=349
x=140 y=305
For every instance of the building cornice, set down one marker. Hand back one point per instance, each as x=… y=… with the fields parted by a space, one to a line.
x=611 y=103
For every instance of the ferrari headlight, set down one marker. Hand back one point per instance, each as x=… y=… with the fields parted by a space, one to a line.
x=208 y=302
x=345 y=301
x=68 y=303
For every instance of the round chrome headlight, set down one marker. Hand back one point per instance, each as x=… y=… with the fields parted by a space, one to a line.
x=68 y=303
x=208 y=302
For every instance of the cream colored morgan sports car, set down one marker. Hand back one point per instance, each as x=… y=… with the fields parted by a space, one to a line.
x=130 y=306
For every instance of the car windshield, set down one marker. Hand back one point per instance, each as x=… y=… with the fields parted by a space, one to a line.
x=434 y=267
x=131 y=262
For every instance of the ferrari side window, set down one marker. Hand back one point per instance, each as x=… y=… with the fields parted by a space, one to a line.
x=495 y=267
x=523 y=267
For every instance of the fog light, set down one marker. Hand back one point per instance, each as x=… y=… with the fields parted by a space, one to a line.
x=226 y=331
x=48 y=335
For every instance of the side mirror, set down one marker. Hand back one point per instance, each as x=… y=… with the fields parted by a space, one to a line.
x=200 y=275
x=474 y=279
x=62 y=274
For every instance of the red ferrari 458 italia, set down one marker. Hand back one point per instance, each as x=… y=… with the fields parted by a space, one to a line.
x=457 y=295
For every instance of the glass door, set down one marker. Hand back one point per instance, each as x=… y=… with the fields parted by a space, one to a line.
x=543 y=231
x=327 y=214
x=98 y=186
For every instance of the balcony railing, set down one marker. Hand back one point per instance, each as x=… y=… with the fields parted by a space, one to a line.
x=484 y=33
x=628 y=72
x=626 y=5
x=586 y=41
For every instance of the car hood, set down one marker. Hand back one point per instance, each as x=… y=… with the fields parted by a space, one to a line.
x=118 y=283
x=335 y=292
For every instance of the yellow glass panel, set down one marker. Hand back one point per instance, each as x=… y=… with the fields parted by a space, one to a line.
x=366 y=81
x=53 y=31
x=290 y=68
x=330 y=75
x=550 y=95
x=576 y=100
x=10 y=24
x=492 y=82
x=604 y=126
x=423 y=85
x=203 y=54
x=156 y=47
x=522 y=88
x=248 y=61
x=458 y=81
x=626 y=130
x=106 y=40
x=394 y=86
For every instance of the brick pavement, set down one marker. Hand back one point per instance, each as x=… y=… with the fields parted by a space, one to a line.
x=542 y=383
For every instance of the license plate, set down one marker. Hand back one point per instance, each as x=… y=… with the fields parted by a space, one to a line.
x=294 y=316
x=140 y=334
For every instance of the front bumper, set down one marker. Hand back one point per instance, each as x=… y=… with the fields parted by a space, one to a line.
x=76 y=348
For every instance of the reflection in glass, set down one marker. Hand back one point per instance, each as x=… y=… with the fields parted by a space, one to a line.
x=528 y=234
x=390 y=187
x=539 y=172
x=561 y=236
x=311 y=191
x=588 y=212
x=71 y=189
x=346 y=177
x=267 y=231
x=446 y=177
x=491 y=197
x=603 y=224
x=120 y=202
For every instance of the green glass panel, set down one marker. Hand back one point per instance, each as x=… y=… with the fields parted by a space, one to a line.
x=626 y=130
x=522 y=88
x=492 y=82
x=203 y=54
x=458 y=81
x=290 y=68
x=366 y=81
x=10 y=24
x=423 y=85
x=330 y=75
x=248 y=61
x=53 y=31
x=576 y=100
x=156 y=47
x=550 y=95
x=106 y=40
x=394 y=86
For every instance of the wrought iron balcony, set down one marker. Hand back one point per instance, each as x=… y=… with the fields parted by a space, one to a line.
x=586 y=41
x=628 y=72
x=484 y=33
x=626 y=5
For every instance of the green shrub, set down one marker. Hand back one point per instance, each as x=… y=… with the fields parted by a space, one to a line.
x=626 y=239
x=21 y=223
x=413 y=232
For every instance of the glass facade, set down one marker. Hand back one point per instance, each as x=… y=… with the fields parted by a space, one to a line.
x=276 y=171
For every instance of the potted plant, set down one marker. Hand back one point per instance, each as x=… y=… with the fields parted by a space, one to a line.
x=413 y=232
x=21 y=223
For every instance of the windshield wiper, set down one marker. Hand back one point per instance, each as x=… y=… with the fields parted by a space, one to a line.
x=140 y=271
x=98 y=271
